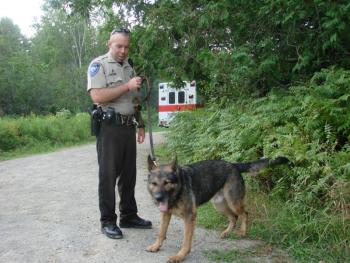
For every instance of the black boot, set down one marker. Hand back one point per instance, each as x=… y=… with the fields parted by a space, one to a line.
x=135 y=222
x=111 y=231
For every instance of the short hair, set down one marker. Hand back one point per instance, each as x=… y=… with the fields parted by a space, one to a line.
x=123 y=31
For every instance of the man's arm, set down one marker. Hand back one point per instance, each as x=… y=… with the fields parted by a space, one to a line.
x=105 y=95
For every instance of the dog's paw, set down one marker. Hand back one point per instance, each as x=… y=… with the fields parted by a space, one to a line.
x=224 y=234
x=241 y=233
x=153 y=248
x=175 y=259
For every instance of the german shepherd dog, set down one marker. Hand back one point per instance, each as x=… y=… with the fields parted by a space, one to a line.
x=179 y=190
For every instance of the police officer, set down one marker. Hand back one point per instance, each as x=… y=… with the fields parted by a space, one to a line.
x=114 y=86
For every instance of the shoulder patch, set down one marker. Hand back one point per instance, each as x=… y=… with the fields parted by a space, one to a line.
x=94 y=68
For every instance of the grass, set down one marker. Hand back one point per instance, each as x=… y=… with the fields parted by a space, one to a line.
x=322 y=237
x=258 y=253
x=223 y=256
x=307 y=237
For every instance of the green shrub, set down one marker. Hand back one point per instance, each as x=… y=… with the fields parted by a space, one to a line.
x=25 y=133
x=9 y=135
x=309 y=124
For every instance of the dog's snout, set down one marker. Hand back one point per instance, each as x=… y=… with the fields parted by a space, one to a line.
x=159 y=196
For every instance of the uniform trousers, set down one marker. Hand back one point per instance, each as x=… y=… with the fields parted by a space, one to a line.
x=116 y=153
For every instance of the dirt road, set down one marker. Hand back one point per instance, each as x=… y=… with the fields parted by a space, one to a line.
x=49 y=213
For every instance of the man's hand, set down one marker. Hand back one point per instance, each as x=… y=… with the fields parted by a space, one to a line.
x=141 y=135
x=134 y=83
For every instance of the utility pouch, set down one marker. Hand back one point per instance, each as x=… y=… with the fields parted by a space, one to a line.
x=109 y=116
x=96 y=118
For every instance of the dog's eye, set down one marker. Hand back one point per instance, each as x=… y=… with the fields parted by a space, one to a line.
x=172 y=176
x=154 y=183
x=167 y=182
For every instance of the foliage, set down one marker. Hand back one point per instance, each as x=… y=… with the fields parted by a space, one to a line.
x=64 y=128
x=307 y=238
x=231 y=48
x=48 y=72
x=303 y=206
x=37 y=133
x=310 y=125
x=12 y=44
x=63 y=47
x=234 y=47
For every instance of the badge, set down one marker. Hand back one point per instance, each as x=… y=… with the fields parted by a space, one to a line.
x=94 y=68
x=112 y=73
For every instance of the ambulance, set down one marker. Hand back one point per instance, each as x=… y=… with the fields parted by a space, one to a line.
x=172 y=100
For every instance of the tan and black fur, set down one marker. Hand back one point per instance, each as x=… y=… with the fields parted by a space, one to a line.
x=179 y=190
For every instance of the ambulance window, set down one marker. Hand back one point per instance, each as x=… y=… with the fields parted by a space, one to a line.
x=181 y=97
x=172 y=97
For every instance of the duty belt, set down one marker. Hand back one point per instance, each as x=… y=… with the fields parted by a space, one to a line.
x=125 y=120
x=122 y=120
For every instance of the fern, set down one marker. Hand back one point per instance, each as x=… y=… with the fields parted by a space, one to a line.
x=309 y=124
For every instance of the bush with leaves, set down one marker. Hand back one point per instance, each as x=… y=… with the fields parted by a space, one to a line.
x=309 y=124
x=64 y=128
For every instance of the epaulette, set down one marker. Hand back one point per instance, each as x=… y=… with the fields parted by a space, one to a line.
x=103 y=57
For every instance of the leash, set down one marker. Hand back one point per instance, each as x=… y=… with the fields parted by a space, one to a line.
x=147 y=100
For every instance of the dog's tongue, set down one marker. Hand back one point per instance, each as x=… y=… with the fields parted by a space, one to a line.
x=163 y=206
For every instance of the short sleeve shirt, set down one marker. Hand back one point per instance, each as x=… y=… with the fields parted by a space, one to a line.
x=105 y=72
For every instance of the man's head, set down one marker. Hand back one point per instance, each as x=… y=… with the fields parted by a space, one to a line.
x=118 y=44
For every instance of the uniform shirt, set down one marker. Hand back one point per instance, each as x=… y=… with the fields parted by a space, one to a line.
x=105 y=72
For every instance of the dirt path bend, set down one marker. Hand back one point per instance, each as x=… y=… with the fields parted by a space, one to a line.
x=49 y=213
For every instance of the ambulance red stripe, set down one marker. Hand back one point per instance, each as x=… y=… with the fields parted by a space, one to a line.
x=177 y=107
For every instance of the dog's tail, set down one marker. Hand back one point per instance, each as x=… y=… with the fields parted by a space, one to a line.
x=259 y=164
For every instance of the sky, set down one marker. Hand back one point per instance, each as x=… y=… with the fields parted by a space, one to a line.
x=22 y=13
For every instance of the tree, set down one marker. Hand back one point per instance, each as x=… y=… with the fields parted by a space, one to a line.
x=12 y=57
x=236 y=47
x=64 y=45
x=47 y=73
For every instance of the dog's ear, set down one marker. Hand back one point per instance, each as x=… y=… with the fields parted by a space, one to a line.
x=173 y=164
x=151 y=163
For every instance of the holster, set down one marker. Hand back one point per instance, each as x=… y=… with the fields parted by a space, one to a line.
x=96 y=118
